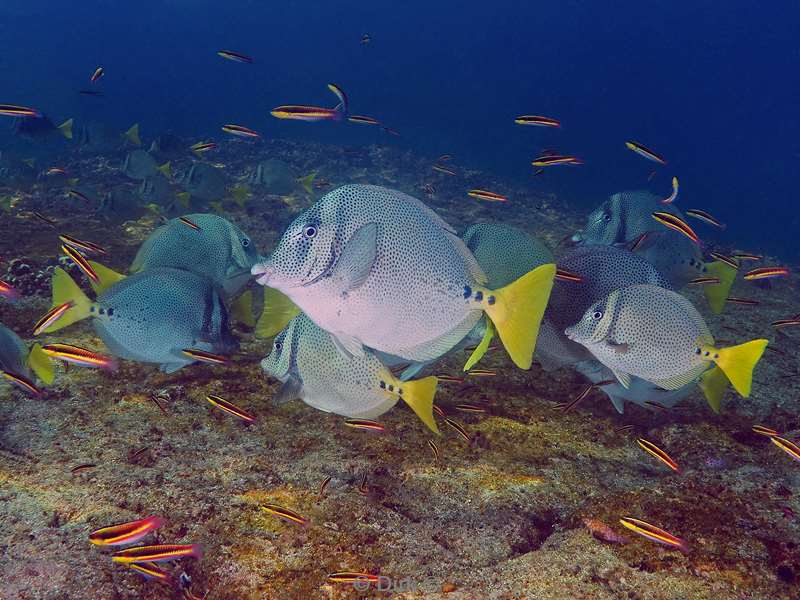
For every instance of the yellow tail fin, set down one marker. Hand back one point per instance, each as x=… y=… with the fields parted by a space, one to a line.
x=166 y=169
x=718 y=293
x=31 y=162
x=242 y=309
x=240 y=194
x=277 y=312
x=308 y=182
x=107 y=277
x=738 y=362
x=217 y=206
x=184 y=198
x=714 y=383
x=40 y=364
x=66 y=129
x=66 y=290
x=481 y=349
x=517 y=312
x=132 y=135
x=418 y=394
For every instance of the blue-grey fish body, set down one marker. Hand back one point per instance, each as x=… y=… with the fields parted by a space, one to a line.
x=139 y=165
x=13 y=353
x=275 y=175
x=156 y=189
x=120 y=205
x=203 y=182
x=218 y=250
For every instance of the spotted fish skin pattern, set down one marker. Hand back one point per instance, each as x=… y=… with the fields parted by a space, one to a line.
x=377 y=268
x=13 y=353
x=153 y=315
x=646 y=331
x=305 y=357
x=220 y=251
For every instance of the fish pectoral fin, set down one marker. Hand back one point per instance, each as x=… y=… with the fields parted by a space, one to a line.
x=349 y=346
x=356 y=260
x=617 y=401
x=623 y=378
x=291 y=389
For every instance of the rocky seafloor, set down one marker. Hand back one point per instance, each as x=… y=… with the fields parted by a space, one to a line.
x=528 y=508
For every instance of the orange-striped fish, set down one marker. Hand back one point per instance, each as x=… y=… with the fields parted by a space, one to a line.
x=203 y=356
x=784 y=323
x=638 y=241
x=728 y=260
x=12 y=110
x=80 y=356
x=125 y=533
x=470 y=408
x=299 y=112
x=445 y=378
x=157 y=553
x=82 y=468
x=82 y=263
x=566 y=407
x=487 y=195
x=324 y=485
x=747 y=256
x=230 y=407
x=656 y=405
x=8 y=291
x=537 y=120
x=434 y=448
x=201 y=147
x=81 y=244
x=459 y=429
x=352 y=577
x=439 y=410
x=235 y=56
x=482 y=373
x=624 y=429
x=642 y=150
x=53 y=315
x=363 y=120
x=189 y=223
x=78 y=195
x=22 y=382
x=656 y=534
x=671 y=198
x=564 y=275
x=56 y=171
x=654 y=450
x=443 y=169
x=676 y=223
x=789 y=447
x=552 y=160
x=151 y=571
x=284 y=513
x=743 y=301
x=444 y=158
x=704 y=281
x=365 y=424
x=240 y=130
x=97 y=74
x=704 y=216
x=761 y=430
x=766 y=273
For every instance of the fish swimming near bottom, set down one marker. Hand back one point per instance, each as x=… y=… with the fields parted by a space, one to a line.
x=306 y=360
x=20 y=364
x=149 y=317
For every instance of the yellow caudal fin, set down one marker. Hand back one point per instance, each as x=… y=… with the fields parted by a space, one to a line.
x=718 y=293
x=240 y=194
x=714 y=383
x=184 y=198
x=242 y=309
x=40 y=364
x=66 y=290
x=132 y=135
x=418 y=394
x=66 y=129
x=307 y=182
x=738 y=362
x=166 y=169
x=517 y=310
x=481 y=349
x=278 y=311
x=31 y=162
x=106 y=277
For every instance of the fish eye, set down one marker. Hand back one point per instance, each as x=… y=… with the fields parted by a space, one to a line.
x=310 y=231
x=245 y=242
x=597 y=315
x=278 y=346
x=607 y=217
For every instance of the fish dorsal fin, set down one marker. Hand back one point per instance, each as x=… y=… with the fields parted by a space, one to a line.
x=278 y=310
x=292 y=389
x=107 y=277
x=355 y=262
x=623 y=378
x=132 y=135
x=66 y=129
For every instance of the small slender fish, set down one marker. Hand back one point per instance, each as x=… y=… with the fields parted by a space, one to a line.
x=671 y=198
x=82 y=468
x=81 y=244
x=152 y=572
x=186 y=221
x=12 y=110
x=653 y=533
x=676 y=223
x=656 y=405
x=564 y=275
x=743 y=301
x=444 y=158
x=537 y=120
x=439 y=410
x=761 y=430
x=324 y=485
x=95 y=93
x=365 y=424
x=470 y=408
x=728 y=260
x=654 y=450
x=363 y=488
x=352 y=577
x=391 y=131
x=434 y=448
x=624 y=429
x=82 y=263
x=22 y=382
x=635 y=244
x=366 y=39
x=704 y=281
x=299 y=112
x=8 y=291
x=645 y=152
x=53 y=315
x=442 y=169
x=459 y=429
x=487 y=195
x=362 y=120
x=125 y=533
x=204 y=356
x=80 y=356
x=157 y=553
x=570 y=405
x=482 y=373
x=155 y=400
x=241 y=131
x=747 y=256
x=43 y=219
x=284 y=513
x=230 y=407
x=429 y=189
x=97 y=74
x=235 y=56
x=704 y=216
x=78 y=195
x=553 y=160
x=55 y=171
x=766 y=273
x=789 y=447
x=603 y=532
x=201 y=147
x=783 y=323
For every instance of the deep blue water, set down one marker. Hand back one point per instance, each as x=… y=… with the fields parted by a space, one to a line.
x=712 y=86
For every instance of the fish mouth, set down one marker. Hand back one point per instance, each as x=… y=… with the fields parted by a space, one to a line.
x=263 y=273
x=570 y=333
